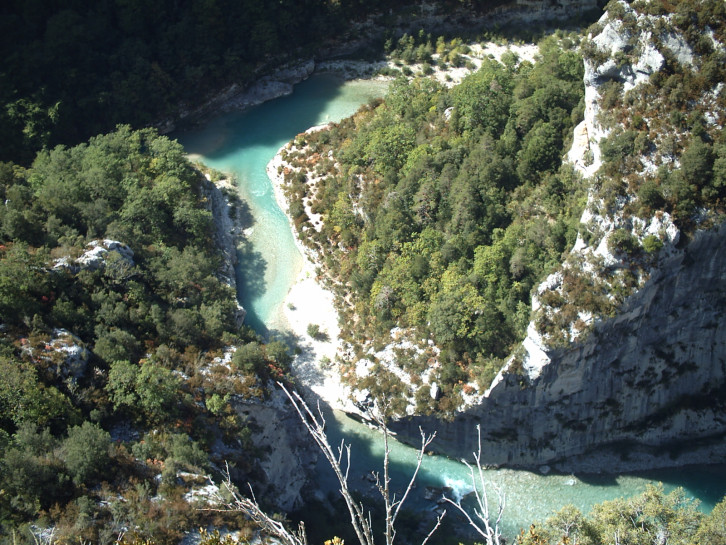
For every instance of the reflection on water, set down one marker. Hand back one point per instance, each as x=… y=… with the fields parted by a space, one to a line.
x=243 y=143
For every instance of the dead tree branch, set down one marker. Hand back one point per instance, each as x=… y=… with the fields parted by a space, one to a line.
x=360 y=519
x=316 y=426
x=252 y=509
x=490 y=532
x=339 y=460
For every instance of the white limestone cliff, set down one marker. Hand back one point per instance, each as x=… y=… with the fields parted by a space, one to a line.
x=644 y=388
x=227 y=233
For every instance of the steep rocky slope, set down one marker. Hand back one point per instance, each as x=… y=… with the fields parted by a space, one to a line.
x=646 y=386
x=624 y=362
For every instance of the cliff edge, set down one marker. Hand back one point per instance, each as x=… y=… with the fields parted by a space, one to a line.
x=624 y=363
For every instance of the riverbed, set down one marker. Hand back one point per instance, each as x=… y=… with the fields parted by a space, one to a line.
x=242 y=143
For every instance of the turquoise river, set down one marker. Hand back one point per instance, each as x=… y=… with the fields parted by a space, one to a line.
x=243 y=143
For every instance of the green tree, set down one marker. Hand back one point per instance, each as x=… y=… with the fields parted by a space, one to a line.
x=278 y=352
x=712 y=529
x=85 y=452
x=216 y=403
x=116 y=344
x=121 y=385
x=718 y=183
x=249 y=357
x=621 y=241
x=149 y=391
x=541 y=152
x=484 y=97
x=32 y=476
x=24 y=399
x=313 y=330
x=389 y=146
x=158 y=391
x=697 y=163
x=23 y=283
x=638 y=520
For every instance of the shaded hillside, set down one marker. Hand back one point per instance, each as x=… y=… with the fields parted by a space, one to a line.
x=75 y=69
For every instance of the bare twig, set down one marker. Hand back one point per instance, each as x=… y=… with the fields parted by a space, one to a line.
x=252 y=509
x=490 y=532
x=393 y=506
x=436 y=527
x=316 y=426
x=339 y=460
x=361 y=520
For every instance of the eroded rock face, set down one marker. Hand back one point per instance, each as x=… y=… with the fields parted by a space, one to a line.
x=65 y=354
x=646 y=388
x=99 y=254
x=649 y=380
x=291 y=454
x=227 y=233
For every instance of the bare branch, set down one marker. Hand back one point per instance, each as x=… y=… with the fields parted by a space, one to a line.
x=436 y=527
x=425 y=442
x=316 y=428
x=491 y=533
x=361 y=520
x=251 y=508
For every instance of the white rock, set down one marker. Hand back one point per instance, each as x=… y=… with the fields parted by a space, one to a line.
x=679 y=47
x=94 y=257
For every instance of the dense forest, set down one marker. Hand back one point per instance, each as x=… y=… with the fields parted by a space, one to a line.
x=446 y=206
x=104 y=341
x=136 y=62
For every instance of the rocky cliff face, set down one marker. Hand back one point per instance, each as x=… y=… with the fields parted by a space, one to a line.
x=227 y=234
x=291 y=454
x=644 y=388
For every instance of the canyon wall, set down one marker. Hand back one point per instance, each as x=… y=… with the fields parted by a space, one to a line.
x=645 y=389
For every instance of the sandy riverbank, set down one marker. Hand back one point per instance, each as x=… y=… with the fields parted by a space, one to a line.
x=308 y=302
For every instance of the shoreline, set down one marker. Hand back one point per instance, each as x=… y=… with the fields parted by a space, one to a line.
x=309 y=302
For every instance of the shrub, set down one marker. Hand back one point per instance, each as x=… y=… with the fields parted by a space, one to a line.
x=621 y=241
x=652 y=244
x=85 y=452
x=313 y=330
x=650 y=195
x=249 y=357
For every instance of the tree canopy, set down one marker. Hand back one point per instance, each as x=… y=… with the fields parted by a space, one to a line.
x=449 y=205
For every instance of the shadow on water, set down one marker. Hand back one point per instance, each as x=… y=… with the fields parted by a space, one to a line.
x=367 y=458
x=243 y=143
x=273 y=121
x=250 y=272
x=287 y=337
x=708 y=481
x=245 y=218
x=595 y=479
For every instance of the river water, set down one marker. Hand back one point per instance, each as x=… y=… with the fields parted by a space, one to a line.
x=243 y=143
